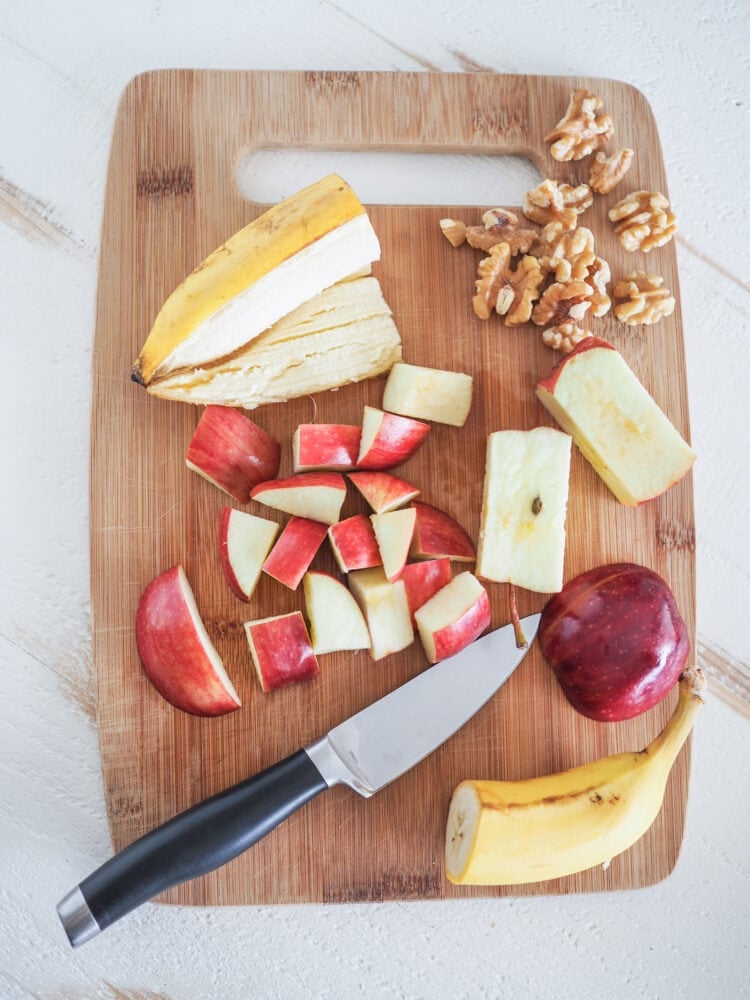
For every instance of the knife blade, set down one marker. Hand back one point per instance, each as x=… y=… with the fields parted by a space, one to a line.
x=366 y=752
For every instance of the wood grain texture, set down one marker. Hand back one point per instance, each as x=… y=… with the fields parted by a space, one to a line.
x=170 y=200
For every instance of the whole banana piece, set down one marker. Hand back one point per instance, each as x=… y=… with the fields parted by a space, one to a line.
x=513 y=832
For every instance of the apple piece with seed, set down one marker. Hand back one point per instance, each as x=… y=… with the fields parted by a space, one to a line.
x=437 y=534
x=232 y=452
x=281 y=650
x=291 y=556
x=354 y=544
x=454 y=617
x=388 y=439
x=336 y=622
x=316 y=495
x=383 y=491
x=244 y=542
x=325 y=446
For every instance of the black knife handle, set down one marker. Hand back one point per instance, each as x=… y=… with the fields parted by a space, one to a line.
x=194 y=842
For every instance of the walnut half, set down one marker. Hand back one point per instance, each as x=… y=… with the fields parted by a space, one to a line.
x=565 y=336
x=607 y=171
x=498 y=226
x=581 y=130
x=647 y=301
x=643 y=220
x=510 y=293
x=552 y=202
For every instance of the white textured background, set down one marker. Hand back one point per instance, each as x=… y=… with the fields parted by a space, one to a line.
x=62 y=69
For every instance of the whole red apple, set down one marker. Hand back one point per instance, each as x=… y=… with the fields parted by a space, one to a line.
x=615 y=640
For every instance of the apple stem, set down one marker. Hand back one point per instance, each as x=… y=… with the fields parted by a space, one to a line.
x=521 y=640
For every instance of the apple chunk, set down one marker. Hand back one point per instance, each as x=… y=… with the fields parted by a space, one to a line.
x=428 y=394
x=393 y=531
x=385 y=609
x=383 y=491
x=423 y=580
x=438 y=534
x=316 y=495
x=176 y=653
x=388 y=439
x=336 y=622
x=354 y=544
x=615 y=423
x=281 y=650
x=291 y=556
x=244 y=542
x=522 y=532
x=232 y=452
x=325 y=446
x=454 y=617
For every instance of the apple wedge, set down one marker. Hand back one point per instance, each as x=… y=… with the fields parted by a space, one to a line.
x=386 y=611
x=291 y=556
x=522 y=530
x=454 y=617
x=428 y=394
x=423 y=580
x=388 y=439
x=244 y=542
x=618 y=427
x=176 y=653
x=336 y=622
x=383 y=491
x=394 y=531
x=354 y=544
x=232 y=452
x=316 y=495
x=438 y=534
x=325 y=446
x=281 y=650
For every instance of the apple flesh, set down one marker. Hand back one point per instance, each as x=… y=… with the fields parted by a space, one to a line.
x=437 y=534
x=615 y=423
x=325 y=446
x=393 y=531
x=291 y=556
x=423 y=580
x=615 y=640
x=428 y=394
x=281 y=650
x=354 y=544
x=244 y=542
x=232 y=452
x=336 y=622
x=316 y=495
x=386 y=611
x=383 y=491
x=454 y=617
x=176 y=652
x=388 y=440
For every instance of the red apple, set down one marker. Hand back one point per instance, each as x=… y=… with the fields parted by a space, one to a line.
x=291 y=556
x=325 y=446
x=317 y=495
x=383 y=491
x=232 y=452
x=615 y=640
x=354 y=544
x=423 y=580
x=244 y=542
x=438 y=534
x=393 y=531
x=454 y=617
x=388 y=440
x=336 y=622
x=175 y=650
x=281 y=650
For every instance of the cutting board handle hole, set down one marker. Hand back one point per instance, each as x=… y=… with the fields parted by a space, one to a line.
x=266 y=175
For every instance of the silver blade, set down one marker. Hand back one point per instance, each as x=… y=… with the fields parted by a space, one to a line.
x=384 y=740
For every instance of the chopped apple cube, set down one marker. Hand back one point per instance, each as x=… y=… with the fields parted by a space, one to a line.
x=428 y=394
x=281 y=650
x=393 y=531
x=386 y=611
x=291 y=556
x=454 y=617
x=336 y=622
x=354 y=544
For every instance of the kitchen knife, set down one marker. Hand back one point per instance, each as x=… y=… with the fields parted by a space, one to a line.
x=366 y=752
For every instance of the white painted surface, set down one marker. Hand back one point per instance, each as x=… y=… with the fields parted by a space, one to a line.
x=62 y=69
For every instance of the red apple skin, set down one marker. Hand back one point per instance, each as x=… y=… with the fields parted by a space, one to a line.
x=456 y=636
x=326 y=446
x=283 y=651
x=383 y=491
x=615 y=640
x=295 y=549
x=233 y=451
x=438 y=534
x=226 y=566
x=172 y=655
x=301 y=480
x=397 y=439
x=423 y=580
x=587 y=344
x=354 y=543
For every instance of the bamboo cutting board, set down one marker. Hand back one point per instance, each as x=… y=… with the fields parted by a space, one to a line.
x=171 y=198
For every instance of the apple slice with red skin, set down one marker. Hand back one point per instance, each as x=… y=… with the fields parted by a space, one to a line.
x=354 y=544
x=383 y=491
x=423 y=580
x=291 y=556
x=244 y=542
x=336 y=622
x=615 y=640
x=232 y=452
x=388 y=440
x=325 y=446
x=454 y=617
x=176 y=652
x=316 y=495
x=281 y=650
x=385 y=609
x=438 y=534
x=393 y=531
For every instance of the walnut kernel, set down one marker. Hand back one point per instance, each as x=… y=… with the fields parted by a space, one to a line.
x=643 y=220
x=598 y=276
x=498 y=226
x=511 y=293
x=607 y=171
x=454 y=231
x=561 y=302
x=553 y=202
x=580 y=131
x=566 y=252
x=565 y=336
x=647 y=301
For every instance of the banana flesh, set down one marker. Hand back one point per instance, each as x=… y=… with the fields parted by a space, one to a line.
x=515 y=832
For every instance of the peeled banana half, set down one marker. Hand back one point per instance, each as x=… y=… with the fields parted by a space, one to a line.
x=514 y=832
x=285 y=307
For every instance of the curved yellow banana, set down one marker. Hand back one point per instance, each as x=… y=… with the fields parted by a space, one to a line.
x=513 y=832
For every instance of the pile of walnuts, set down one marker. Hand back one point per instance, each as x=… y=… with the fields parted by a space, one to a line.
x=554 y=278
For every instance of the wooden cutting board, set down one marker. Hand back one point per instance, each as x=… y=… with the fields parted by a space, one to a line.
x=171 y=198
